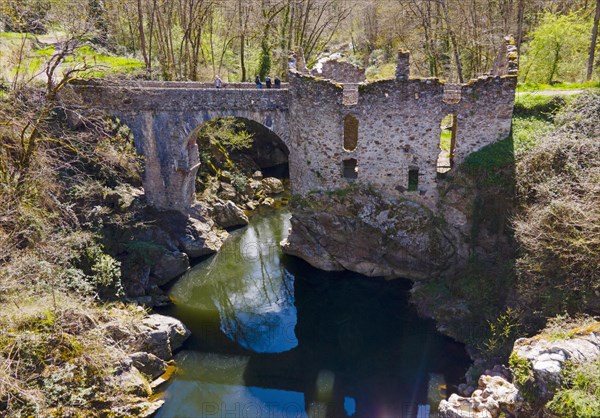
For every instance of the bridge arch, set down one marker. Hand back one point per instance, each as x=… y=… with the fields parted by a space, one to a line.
x=171 y=159
x=268 y=152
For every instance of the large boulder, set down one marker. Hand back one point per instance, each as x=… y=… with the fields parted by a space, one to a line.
x=228 y=215
x=169 y=265
x=200 y=238
x=459 y=407
x=272 y=185
x=162 y=335
x=130 y=379
x=148 y=364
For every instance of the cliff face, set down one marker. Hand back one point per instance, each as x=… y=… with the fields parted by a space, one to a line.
x=357 y=230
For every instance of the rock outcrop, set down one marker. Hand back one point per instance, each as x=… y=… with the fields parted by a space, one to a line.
x=364 y=233
x=537 y=366
x=228 y=215
x=495 y=395
x=151 y=342
x=161 y=250
x=539 y=362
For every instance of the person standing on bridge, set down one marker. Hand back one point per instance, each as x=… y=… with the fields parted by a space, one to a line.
x=258 y=82
x=218 y=82
x=277 y=82
x=268 y=82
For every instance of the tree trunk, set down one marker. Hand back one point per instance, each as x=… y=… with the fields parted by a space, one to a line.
x=590 y=66
x=142 y=34
x=520 y=18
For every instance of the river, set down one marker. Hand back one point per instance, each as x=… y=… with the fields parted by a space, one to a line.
x=273 y=337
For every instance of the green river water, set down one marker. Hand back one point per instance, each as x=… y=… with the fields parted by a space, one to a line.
x=273 y=337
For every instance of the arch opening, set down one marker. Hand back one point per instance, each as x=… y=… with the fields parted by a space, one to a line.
x=235 y=143
x=447 y=145
x=241 y=160
x=350 y=133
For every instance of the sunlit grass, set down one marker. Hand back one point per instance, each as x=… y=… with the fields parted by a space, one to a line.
x=525 y=87
x=445 y=139
x=37 y=50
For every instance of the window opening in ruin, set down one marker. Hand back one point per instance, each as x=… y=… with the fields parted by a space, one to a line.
x=350 y=168
x=350 y=133
x=447 y=143
x=413 y=179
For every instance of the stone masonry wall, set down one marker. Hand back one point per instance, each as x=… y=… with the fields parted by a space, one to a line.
x=399 y=129
x=340 y=71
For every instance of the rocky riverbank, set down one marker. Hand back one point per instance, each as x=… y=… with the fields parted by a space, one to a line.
x=542 y=377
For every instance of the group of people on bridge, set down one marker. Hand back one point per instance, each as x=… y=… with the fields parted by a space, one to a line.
x=276 y=83
x=270 y=84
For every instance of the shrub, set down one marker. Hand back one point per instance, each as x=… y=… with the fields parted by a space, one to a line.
x=558 y=227
x=580 y=392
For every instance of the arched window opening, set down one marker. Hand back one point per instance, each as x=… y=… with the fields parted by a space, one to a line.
x=413 y=179
x=350 y=169
x=448 y=128
x=350 y=133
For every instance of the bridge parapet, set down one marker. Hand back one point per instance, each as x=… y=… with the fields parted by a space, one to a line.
x=180 y=97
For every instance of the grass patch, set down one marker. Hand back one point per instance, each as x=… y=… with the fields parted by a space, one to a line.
x=105 y=64
x=531 y=87
x=57 y=354
x=445 y=140
x=563 y=327
x=533 y=119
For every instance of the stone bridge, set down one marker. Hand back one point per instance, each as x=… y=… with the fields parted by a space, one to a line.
x=163 y=117
x=338 y=129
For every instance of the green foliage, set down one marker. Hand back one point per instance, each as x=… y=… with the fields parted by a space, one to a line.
x=487 y=163
x=239 y=181
x=24 y=15
x=264 y=59
x=534 y=118
x=143 y=252
x=502 y=333
x=523 y=378
x=216 y=140
x=558 y=86
x=558 y=49
x=579 y=395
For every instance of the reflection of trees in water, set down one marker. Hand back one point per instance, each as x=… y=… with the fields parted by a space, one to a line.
x=260 y=290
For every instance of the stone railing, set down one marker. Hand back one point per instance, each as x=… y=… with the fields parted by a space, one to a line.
x=192 y=85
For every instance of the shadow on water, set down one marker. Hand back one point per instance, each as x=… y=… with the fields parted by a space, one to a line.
x=274 y=337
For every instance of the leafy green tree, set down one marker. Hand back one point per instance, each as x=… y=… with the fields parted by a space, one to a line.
x=264 y=60
x=558 y=49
